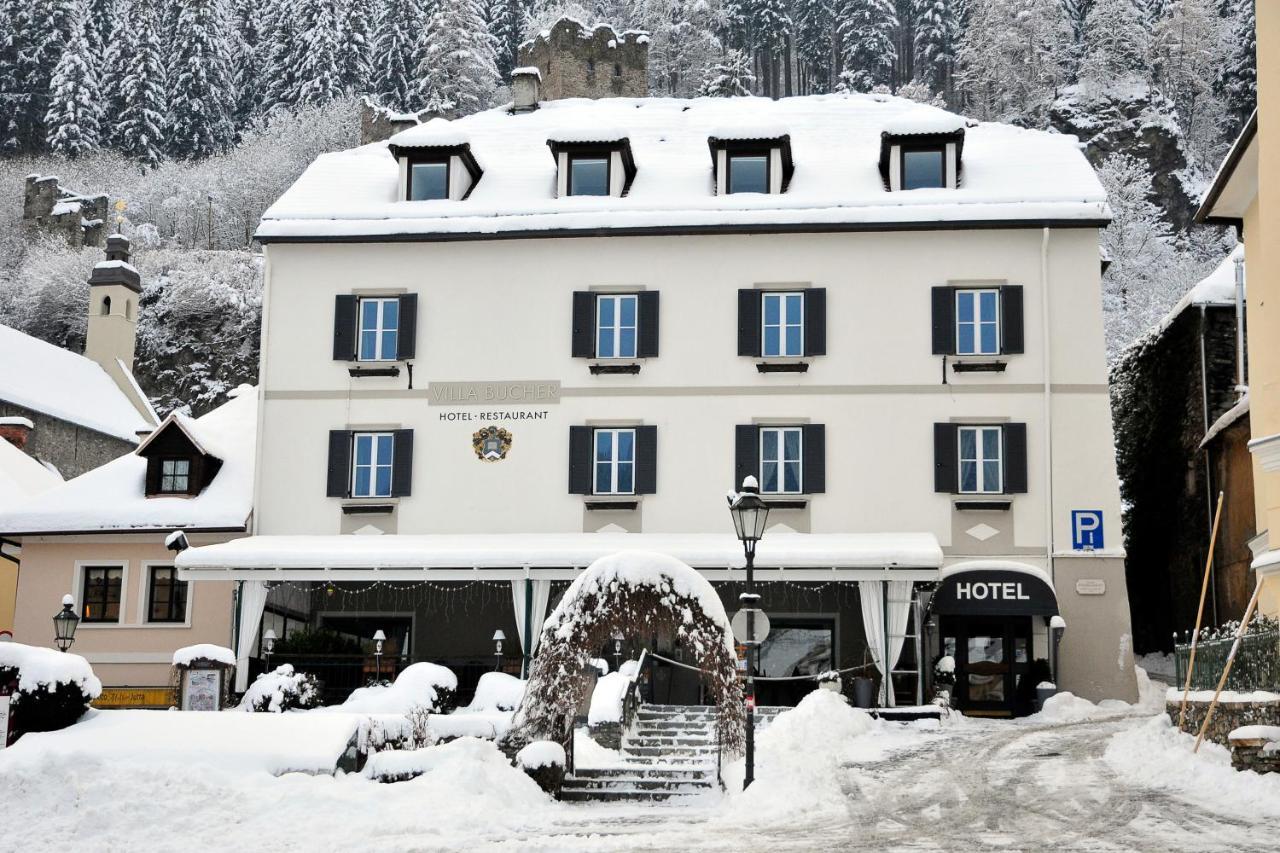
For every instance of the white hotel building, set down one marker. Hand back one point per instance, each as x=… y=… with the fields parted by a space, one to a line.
x=499 y=347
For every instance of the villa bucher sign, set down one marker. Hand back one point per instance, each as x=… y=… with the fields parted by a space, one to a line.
x=991 y=592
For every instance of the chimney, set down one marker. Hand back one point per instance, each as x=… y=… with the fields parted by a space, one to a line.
x=16 y=430
x=525 y=83
x=114 y=290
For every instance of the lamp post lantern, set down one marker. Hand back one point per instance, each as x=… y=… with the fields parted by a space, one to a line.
x=268 y=645
x=617 y=650
x=65 y=624
x=498 y=637
x=378 y=639
x=750 y=513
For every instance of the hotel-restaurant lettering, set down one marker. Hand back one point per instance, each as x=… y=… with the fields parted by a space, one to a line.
x=977 y=591
x=522 y=392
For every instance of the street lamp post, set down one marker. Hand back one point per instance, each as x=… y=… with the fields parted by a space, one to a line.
x=268 y=645
x=65 y=624
x=498 y=637
x=750 y=513
x=617 y=650
x=378 y=639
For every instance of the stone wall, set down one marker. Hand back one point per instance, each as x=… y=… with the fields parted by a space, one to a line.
x=1227 y=717
x=50 y=208
x=1261 y=755
x=70 y=448
x=580 y=63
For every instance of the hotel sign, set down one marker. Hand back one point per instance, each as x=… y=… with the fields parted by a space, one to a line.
x=513 y=393
x=995 y=592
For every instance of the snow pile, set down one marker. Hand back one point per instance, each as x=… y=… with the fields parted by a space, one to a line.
x=497 y=691
x=465 y=777
x=420 y=685
x=279 y=691
x=607 y=699
x=1066 y=707
x=1156 y=755
x=1227 y=697
x=586 y=133
x=540 y=753
x=206 y=651
x=588 y=753
x=42 y=669
x=1271 y=733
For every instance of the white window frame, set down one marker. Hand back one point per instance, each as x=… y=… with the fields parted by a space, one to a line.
x=982 y=487
x=379 y=328
x=375 y=463
x=613 y=461
x=977 y=323
x=617 y=299
x=784 y=322
x=781 y=460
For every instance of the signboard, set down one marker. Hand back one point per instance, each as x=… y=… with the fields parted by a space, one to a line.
x=739 y=624
x=134 y=697
x=1086 y=530
x=5 y=699
x=515 y=393
x=995 y=592
x=1091 y=586
x=203 y=689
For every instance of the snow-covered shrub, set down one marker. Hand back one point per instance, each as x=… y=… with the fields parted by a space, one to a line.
x=497 y=691
x=421 y=685
x=282 y=690
x=944 y=671
x=54 y=688
x=544 y=762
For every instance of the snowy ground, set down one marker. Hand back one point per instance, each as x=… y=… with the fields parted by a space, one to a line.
x=1106 y=779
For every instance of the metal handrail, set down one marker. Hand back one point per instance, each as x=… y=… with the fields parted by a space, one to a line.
x=566 y=741
x=632 y=699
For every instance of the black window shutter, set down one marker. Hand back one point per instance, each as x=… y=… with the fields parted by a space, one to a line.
x=1011 y=318
x=584 y=324
x=580 y=460
x=154 y=464
x=944 y=321
x=1015 y=459
x=339 y=463
x=407 y=339
x=647 y=343
x=646 y=460
x=749 y=323
x=402 y=464
x=815 y=321
x=946 y=474
x=815 y=459
x=344 y=328
x=746 y=454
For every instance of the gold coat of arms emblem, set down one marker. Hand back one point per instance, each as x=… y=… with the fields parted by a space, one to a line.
x=491 y=443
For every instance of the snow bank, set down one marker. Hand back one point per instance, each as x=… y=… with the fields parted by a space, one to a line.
x=279 y=691
x=40 y=668
x=497 y=691
x=1256 y=733
x=1228 y=697
x=541 y=753
x=418 y=685
x=464 y=778
x=488 y=725
x=1156 y=755
x=1066 y=707
x=588 y=753
x=208 y=651
x=607 y=698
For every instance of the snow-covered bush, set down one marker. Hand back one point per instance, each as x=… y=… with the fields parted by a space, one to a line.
x=282 y=690
x=544 y=762
x=497 y=691
x=54 y=688
x=421 y=685
x=944 y=671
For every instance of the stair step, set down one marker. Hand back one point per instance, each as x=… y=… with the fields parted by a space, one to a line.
x=646 y=771
x=576 y=784
x=660 y=740
x=675 y=762
x=640 y=795
x=675 y=725
x=673 y=751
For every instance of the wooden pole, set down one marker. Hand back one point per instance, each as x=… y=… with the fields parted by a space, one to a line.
x=1226 y=670
x=1204 y=589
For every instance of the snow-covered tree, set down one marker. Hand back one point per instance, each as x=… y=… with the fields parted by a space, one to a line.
x=815 y=28
x=140 y=97
x=457 y=73
x=248 y=61
x=1014 y=57
x=75 y=105
x=506 y=23
x=866 y=29
x=9 y=92
x=1188 y=46
x=201 y=91
x=280 y=38
x=1116 y=42
x=395 y=54
x=682 y=44
x=771 y=32
x=1237 y=82
x=937 y=29
x=40 y=33
x=728 y=77
x=355 y=48
x=319 y=69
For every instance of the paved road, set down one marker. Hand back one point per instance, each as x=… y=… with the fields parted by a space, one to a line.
x=995 y=787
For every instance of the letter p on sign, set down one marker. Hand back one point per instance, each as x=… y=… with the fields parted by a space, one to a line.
x=1086 y=529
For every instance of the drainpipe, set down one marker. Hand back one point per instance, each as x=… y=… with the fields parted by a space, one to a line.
x=1241 y=387
x=1208 y=467
x=1048 y=400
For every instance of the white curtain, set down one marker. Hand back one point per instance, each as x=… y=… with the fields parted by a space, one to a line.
x=253 y=598
x=541 y=594
x=874 y=611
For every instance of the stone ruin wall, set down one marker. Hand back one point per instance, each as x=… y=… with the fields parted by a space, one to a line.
x=579 y=63
x=50 y=208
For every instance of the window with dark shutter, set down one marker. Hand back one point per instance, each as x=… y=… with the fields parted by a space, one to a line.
x=407 y=343
x=944 y=320
x=646 y=460
x=749 y=323
x=1015 y=459
x=814 y=449
x=580 y=460
x=1011 y=334
x=344 y=328
x=339 y=476
x=584 y=324
x=402 y=464
x=746 y=453
x=946 y=476
x=647 y=346
x=815 y=321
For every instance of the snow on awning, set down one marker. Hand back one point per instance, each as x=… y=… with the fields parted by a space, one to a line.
x=554 y=556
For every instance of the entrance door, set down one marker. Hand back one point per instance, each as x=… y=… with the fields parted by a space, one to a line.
x=992 y=657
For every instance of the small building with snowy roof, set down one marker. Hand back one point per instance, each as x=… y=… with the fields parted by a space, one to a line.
x=499 y=347
x=104 y=537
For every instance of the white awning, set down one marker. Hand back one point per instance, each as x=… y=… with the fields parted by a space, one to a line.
x=556 y=556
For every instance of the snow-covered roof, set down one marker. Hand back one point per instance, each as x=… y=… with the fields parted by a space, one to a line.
x=572 y=551
x=1227 y=418
x=586 y=133
x=113 y=497
x=22 y=477
x=995 y=566
x=437 y=133
x=64 y=385
x=1217 y=288
x=1009 y=173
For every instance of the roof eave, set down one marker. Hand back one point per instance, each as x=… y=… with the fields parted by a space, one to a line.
x=1204 y=214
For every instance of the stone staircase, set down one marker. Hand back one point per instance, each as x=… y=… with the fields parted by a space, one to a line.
x=669 y=755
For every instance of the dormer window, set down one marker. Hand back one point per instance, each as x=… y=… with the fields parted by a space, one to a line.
x=175 y=476
x=428 y=179
x=592 y=162
x=177 y=464
x=751 y=160
x=922 y=161
x=435 y=162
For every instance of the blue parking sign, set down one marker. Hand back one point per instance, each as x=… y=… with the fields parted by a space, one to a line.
x=1086 y=529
